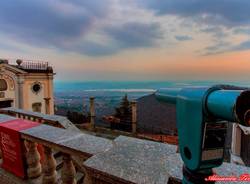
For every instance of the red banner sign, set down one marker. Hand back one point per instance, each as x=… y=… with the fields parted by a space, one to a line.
x=11 y=145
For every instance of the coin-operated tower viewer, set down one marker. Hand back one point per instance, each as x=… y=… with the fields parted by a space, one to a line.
x=202 y=118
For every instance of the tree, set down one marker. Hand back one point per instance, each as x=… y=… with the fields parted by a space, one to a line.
x=76 y=117
x=123 y=112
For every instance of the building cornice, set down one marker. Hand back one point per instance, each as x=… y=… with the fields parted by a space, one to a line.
x=12 y=69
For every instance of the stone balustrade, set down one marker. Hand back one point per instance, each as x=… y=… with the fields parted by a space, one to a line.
x=71 y=144
x=125 y=160
x=74 y=146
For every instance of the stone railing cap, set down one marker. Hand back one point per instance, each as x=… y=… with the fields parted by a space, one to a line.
x=16 y=110
x=85 y=144
x=4 y=118
x=63 y=121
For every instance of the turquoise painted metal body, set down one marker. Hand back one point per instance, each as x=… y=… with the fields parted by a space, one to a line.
x=202 y=117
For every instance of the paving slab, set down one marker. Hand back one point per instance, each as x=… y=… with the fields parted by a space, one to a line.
x=146 y=162
x=135 y=160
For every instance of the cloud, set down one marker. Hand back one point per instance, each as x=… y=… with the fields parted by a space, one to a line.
x=95 y=49
x=66 y=25
x=222 y=19
x=223 y=47
x=9 y=46
x=217 y=48
x=216 y=31
x=242 y=46
x=215 y=12
x=183 y=37
x=130 y=35
x=242 y=31
x=135 y=34
x=77 y=25
x=50 y=23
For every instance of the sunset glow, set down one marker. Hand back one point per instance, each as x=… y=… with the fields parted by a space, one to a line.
x=130 y=40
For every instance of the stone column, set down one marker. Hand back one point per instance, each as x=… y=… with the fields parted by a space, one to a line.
x=92 y=112
x=236 y=145
x=47 y=105
x=20 y=93
x=134 y=116
x=12 y=103
x=50 y=94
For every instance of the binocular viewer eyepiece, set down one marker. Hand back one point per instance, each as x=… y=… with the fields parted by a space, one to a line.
x=242 y=108
x=220 y=102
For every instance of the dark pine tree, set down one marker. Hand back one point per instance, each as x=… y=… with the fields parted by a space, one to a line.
x=124 y=113
x=76 y=117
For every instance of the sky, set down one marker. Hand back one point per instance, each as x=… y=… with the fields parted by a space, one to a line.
x=130 y=39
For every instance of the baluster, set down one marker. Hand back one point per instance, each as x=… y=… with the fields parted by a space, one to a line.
x=49 y=167
x=68 y=170
x=33 y=160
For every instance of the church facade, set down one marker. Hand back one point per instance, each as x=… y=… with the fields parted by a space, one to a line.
x=27 y=85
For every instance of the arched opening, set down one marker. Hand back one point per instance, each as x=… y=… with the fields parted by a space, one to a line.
x=3 y=85
x=37 y=107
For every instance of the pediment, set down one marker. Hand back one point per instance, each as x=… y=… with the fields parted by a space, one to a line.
x=12 y=69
